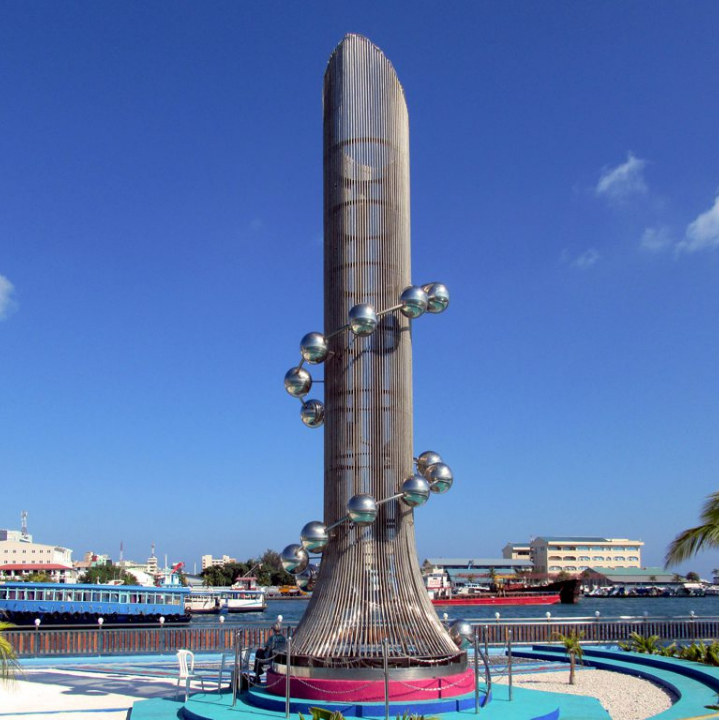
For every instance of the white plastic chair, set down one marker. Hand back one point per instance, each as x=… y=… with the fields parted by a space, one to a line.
x=186 y=660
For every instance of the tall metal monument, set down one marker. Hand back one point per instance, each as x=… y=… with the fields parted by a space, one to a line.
x=369 y=607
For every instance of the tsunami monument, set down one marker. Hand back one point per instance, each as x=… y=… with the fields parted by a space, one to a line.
x=369 y=631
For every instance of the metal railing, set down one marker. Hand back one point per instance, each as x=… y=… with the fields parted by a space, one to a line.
x=599 y=629
x=66 y=640
x=128 y=640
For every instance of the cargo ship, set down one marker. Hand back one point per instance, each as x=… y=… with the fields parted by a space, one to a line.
x=441 y=592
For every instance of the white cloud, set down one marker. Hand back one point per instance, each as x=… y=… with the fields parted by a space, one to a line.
x=583 y=261
x=656 y=239
x=624 y=180
x=7 y=301
x=586 y=259
x=703 y=233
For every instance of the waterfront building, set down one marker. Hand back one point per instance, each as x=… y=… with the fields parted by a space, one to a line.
x=144 y=573
x=517 y=551
x=139 y=571
x=649 y=576
x=20 y=556
x=57 y=573
x=91 y=560
x=209 y=561
x=573 y=555
x=463 y=571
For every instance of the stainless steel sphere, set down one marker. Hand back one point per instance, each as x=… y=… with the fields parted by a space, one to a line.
x=415 y=491
x=363 y=319
x=307 y=579
x=427 y=458
x=437 y=297
x=313 y=413
x=440 y=478
x=313 y=348
x=294 y=558
x=462 y=633
x=314 y=537
x=362 y=509
x=298 y=382
x=414 y=301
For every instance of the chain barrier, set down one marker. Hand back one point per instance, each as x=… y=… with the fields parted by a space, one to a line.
x=308 y=684
x=446 y=686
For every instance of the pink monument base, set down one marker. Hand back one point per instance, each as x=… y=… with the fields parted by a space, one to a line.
x=367 y=691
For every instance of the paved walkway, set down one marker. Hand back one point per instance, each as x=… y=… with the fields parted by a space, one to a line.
x=66 y=694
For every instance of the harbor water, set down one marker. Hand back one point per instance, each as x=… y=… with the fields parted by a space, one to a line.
x=292 y=610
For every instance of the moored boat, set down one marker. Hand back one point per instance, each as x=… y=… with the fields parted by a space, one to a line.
x=510 y=598
x=239 y=598
x=203 y=602
x=22 y=603
x=245 y=596
x=441 y=592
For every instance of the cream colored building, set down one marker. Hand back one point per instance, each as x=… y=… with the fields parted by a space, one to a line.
x=574 y=554
x=19 y=555
x=516 y=551
x=209 y=561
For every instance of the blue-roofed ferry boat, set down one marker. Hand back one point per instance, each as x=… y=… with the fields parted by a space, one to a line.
x=22 y=603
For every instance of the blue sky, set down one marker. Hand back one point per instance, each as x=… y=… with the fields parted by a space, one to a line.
x=160 y=258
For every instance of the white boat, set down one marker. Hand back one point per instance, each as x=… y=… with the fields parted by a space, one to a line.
x=242 y=600
x=243 y=596
x=473 y=589
x=205 y=601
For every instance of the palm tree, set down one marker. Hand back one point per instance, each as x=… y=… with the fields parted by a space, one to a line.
x=704 y=536
x=573 y=648
x=9 y=664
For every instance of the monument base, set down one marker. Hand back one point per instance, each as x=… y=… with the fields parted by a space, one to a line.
x=371 y=691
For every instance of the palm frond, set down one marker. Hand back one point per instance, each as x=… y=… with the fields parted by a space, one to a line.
x=710 y=509
x=9 y=664
x=689 y=542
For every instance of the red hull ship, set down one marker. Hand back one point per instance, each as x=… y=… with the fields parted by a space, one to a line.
x=561 y=591
x=508 y=599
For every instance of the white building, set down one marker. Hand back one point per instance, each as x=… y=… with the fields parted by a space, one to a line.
x=19 y=556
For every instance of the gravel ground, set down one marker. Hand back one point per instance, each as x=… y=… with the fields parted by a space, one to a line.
x=624 y=697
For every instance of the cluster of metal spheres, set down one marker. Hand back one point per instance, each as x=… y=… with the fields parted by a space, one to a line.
x=414 y=301
x=431 y=476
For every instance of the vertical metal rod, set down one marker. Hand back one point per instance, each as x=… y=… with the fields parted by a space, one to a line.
x=386 y=678
x=237 y=670
x=476 y=670
x=287 y=674
x=509 y=662
x=486 y=641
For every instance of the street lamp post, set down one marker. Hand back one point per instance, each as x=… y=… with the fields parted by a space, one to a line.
x=100 y=622
x=37 y=636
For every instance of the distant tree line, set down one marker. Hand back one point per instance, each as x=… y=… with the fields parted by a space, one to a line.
x=267 y=569
x=103 y=574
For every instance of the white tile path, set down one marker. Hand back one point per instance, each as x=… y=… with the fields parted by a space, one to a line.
x=58 y=694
